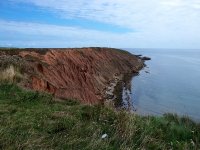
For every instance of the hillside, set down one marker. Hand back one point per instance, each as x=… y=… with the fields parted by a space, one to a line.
x=33 y=120
x=81 y=74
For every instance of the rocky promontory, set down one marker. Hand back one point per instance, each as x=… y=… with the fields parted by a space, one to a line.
x=71 y=73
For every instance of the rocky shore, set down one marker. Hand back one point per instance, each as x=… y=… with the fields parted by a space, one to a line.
x=118 y=92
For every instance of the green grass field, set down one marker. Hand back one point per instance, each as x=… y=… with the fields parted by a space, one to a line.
x=32 y=120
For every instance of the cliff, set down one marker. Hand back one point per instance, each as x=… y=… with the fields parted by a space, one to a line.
x=81 y=74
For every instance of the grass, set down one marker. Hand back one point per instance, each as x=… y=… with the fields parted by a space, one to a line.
x=10 y=74
x=16 y=51
x=32 y=120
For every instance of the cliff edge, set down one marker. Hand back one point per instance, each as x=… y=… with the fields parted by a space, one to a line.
x=73 y=73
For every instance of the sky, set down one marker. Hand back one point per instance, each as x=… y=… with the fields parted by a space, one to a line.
x=100 y=23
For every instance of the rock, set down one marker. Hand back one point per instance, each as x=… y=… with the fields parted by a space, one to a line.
x=135 y=71
x=109 y=88
x=138 y=55
x=117 y=79
x=109 y=96
x=116 y=74
x=145 y=58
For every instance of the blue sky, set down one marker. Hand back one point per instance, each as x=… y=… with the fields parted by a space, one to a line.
x=107 y=23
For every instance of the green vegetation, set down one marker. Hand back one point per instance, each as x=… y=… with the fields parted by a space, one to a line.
x=11 y=69
x=32 y=120
x=15 y=51
x=122 y=51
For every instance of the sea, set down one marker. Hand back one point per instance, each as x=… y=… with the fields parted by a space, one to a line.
x=170 y=83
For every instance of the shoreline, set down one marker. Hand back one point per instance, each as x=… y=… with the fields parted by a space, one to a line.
x=122 y=83
x=119 y=83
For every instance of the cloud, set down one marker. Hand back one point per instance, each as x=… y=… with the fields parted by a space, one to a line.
x=159 y=23
x=127 y=13
x=33 y=34
x=26 y=34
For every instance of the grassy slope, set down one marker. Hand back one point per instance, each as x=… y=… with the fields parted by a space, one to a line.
x=33 y=120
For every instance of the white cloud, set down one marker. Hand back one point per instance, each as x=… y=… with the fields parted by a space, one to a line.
x=132 y=14
x=28 y=34
x=33 y=34
x=159 y=23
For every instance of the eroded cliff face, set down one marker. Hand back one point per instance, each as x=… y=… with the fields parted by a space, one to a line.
x=81 y=74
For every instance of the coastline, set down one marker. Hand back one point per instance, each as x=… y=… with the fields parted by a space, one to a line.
x=75 y=73
x=120 y=85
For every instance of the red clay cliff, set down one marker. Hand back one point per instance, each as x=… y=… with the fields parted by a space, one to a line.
x=80 y=74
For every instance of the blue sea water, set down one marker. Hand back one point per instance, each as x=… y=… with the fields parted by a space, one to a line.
x=172 y=84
